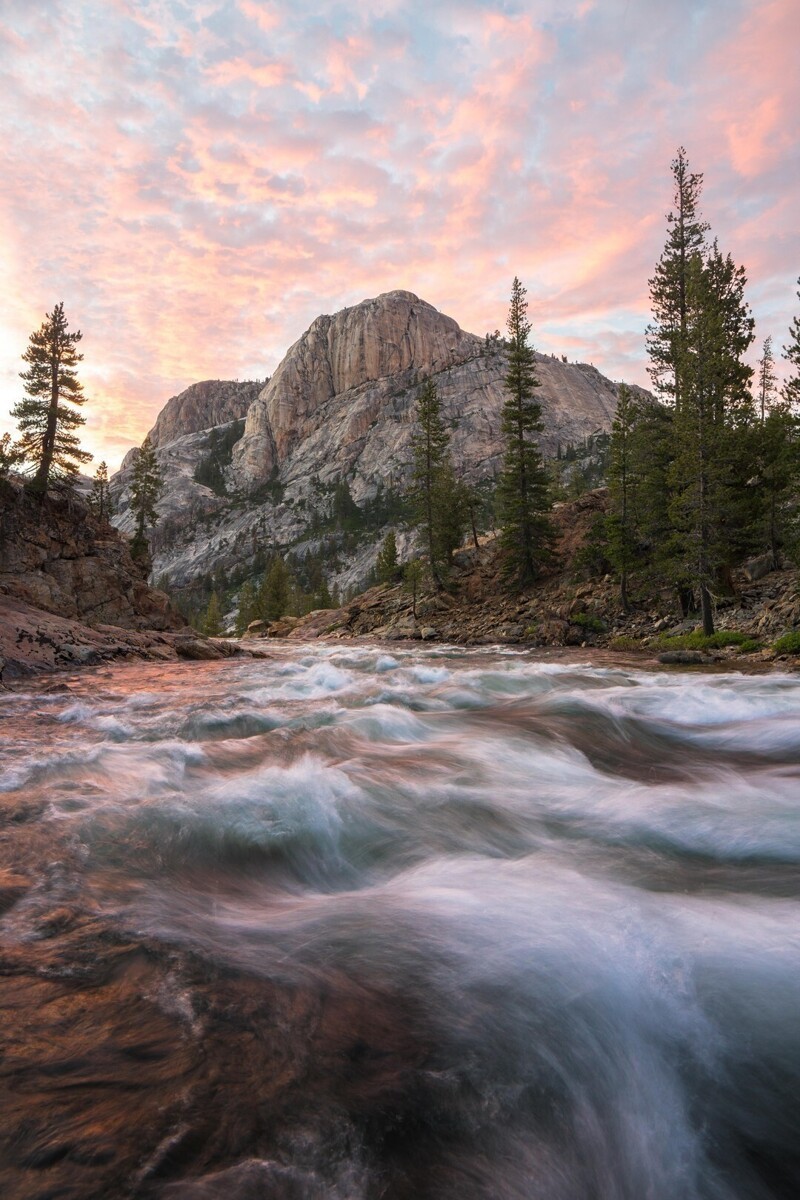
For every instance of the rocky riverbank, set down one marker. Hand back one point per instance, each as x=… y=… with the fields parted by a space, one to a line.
x=567 y=608
x=33 y=641
x=71 y=595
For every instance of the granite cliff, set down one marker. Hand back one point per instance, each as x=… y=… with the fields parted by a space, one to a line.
x=58 y=557
x=340 y=406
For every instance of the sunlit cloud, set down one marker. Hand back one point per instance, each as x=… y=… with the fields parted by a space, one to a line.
x=198 y=181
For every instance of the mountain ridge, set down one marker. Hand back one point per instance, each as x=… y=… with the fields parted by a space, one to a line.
x=340 y=406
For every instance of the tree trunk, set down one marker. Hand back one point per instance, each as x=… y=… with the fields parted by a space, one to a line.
x=623 y=592
x=707 y=611
x=474 y=530
x=685 y=599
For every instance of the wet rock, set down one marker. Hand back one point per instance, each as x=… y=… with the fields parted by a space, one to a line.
x=12 y=888
x=253 y=1179
x=511 y=633
x=199 y=649
x=686 y=658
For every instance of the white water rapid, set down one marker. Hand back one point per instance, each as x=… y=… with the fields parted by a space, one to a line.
x=479 y=927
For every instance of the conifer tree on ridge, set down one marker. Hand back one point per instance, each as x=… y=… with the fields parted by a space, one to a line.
x=48 y=414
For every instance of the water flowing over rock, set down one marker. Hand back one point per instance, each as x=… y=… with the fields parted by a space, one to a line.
x=366 y=921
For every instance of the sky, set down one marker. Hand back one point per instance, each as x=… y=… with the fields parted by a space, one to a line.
x=198 y=179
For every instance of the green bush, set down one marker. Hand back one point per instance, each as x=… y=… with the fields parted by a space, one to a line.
x=788 y=644
x=701 y=641
x=625 y=642
x=588 y=622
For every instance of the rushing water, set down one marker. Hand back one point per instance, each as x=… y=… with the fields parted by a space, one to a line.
x=477 y=927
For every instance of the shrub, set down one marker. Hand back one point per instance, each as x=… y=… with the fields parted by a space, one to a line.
x=788 y=644
x=701 y=641
x=588 y=622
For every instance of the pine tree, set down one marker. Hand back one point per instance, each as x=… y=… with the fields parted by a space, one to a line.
x=147 y=486
x=767 y=379
x=666 y=336
x=10 y=455
x=322 y=595
x=523 y=493
x=213 y=625
x=100 y=496
x=791 y=352
x=48 y=414
x=248 y=606
x=273 y=595
x=386 y=563
x=620 y=530
x=711 y=425
x=412 y=581
x=429 y=444
x=779 y=453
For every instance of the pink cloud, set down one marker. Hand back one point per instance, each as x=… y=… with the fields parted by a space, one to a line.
x=240 y=173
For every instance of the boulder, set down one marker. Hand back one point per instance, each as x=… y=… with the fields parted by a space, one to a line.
x=684 y=658
x=757 y=568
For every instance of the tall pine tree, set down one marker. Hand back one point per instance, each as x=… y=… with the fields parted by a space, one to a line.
x=767 y=380
x=430 y=471
x=523 y=491
x=147 y=485
x=620 y=527
x=48 y=414
x=791 y=352
x=666 y=336
x=712 y=424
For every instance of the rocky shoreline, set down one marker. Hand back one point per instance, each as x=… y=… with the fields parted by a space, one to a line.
x=71 y=595
x=567 y=610
x=34 y=642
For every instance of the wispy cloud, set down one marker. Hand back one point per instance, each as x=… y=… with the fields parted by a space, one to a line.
x=198 y=180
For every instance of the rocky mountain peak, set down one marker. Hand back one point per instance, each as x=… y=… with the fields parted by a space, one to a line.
x=201 y=406
x=341 y=407
x=386 y=336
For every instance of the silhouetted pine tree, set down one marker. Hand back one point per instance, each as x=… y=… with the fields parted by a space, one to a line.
x=767 y=380
x=791 y=352
x=48 y=414
x=100 y=496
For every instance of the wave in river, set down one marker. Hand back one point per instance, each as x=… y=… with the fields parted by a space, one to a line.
x=431 y=923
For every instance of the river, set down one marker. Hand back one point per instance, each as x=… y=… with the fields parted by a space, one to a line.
x=354 y=923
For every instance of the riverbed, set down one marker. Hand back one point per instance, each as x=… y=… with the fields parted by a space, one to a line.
x=448 y=924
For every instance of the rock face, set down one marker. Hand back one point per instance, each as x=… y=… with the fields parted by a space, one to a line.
x=342 y=400
x=56 y=556
x=376 y=342
x=340 y=406
x=213 y=402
